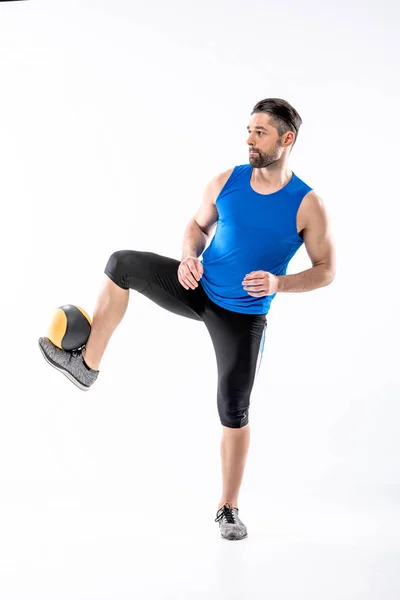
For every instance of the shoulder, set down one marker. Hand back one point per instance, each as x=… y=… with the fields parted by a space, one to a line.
x=217 y=183
x=313 y=208
x=222 y=178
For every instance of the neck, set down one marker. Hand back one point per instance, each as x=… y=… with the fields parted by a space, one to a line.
x=272 y=176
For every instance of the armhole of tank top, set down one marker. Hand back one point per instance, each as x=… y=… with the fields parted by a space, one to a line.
x=307 y=189
x=225 y=184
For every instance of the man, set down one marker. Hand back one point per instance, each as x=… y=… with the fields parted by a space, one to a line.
x=264 y=213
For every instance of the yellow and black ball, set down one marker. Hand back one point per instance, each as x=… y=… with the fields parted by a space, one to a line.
x=70 y=327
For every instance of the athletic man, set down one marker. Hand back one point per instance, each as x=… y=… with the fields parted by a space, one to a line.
x=264 y=213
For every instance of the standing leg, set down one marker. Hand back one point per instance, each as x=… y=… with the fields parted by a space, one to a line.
x=238 y=341
x=234 y=449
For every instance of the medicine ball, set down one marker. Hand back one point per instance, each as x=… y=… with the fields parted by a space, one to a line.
x=70 y=327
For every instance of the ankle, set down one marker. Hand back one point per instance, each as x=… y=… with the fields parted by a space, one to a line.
x=91 y=364
x=233 y=503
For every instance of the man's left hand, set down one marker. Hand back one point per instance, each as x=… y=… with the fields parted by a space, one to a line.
x=260 y=283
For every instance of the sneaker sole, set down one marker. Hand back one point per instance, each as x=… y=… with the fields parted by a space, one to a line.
x=78 y=384
x=234 y=539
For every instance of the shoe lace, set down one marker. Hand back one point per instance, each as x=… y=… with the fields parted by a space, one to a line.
x=78 y=351
x=226 y=512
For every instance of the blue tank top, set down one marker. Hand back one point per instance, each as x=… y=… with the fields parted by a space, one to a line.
x=255 y=232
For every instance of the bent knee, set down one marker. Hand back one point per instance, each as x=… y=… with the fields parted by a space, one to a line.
x=122 y=268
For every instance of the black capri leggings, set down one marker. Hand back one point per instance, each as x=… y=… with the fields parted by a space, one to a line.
x=238 y=338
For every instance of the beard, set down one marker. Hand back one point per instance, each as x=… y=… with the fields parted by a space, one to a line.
x=265 y=159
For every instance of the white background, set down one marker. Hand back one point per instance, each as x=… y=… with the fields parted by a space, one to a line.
x=113 y=118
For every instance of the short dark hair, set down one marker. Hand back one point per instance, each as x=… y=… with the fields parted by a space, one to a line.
x=283 y=116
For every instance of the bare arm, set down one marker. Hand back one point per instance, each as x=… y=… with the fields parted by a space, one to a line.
x=194 y=240
x=200 y=226
x=320 y=248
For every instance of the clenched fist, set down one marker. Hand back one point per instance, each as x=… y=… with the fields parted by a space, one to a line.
x=190 y=271
x=260 y=283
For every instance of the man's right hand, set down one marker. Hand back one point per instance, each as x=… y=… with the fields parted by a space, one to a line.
x=190 y=271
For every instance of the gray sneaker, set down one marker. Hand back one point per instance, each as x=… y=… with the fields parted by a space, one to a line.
x=231 y=527
x=71 y=364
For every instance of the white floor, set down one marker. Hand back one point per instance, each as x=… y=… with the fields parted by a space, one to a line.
x=71 y=554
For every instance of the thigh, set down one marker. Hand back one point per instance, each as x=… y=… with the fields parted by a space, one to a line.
x=156 y=277
x=238 y=341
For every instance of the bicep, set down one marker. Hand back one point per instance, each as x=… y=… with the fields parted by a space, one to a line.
x=317 y=235
x=207 y=214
